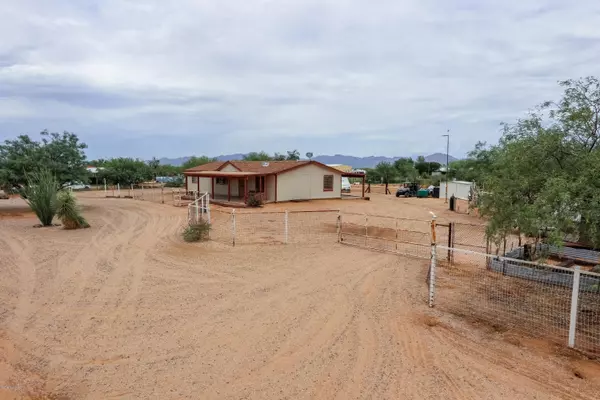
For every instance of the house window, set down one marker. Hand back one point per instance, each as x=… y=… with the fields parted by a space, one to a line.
x=328 y=183
x=221 y=181
x=194 y=179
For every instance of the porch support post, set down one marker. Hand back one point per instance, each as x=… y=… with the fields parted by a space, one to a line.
x=246 y=191
x=275 y=188
x=228 y=189
x=363 y=187
x=186 y=183
x=266 y=194
x=212 y=182
x=198 y=184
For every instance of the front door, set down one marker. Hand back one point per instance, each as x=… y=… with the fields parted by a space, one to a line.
x=242 y=188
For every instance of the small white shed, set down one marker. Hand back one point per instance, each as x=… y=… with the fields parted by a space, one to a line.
x=460 y=189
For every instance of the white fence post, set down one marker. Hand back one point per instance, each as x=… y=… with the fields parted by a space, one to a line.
x=285 y=227
x=574 y=303
x=233 y=226
x=208 y=207
x=432 y=264
x=105 y=190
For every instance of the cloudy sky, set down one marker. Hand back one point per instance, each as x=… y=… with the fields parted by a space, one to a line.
x=386 y=77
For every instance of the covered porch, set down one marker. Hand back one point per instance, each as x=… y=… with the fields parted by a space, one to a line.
x=234 y=188
x=352 y=194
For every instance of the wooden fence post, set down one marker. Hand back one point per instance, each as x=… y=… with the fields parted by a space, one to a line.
x=366 y=229
x=233 y=227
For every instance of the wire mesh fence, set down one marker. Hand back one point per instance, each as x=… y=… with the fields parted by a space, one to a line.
x=313 y=226
x=472 y=236
x=237 y=227
x=410 y=237
x=155 y=193
x=559 y=304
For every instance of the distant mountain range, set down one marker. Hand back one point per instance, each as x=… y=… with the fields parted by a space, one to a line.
x=354 y=162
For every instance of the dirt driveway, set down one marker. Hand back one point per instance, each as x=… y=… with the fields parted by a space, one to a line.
x=126 y=310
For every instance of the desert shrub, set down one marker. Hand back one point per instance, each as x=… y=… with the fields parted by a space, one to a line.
x=196 y=232
x=68 y=211
x=40 y=194
x=254 y=201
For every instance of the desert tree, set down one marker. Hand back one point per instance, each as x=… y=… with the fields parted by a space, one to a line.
x=62 y=154
x=258 y=156
x=293 y=155
x=195 y=161
x=542 y=177
x=125 y=171
x=386 y=172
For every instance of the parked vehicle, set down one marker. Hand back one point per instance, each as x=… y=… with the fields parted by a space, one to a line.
x=408 y=190
x=77 y=186
x=346 y=188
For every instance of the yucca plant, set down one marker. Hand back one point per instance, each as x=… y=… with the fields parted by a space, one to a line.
x=40 y=194
x=68 y=211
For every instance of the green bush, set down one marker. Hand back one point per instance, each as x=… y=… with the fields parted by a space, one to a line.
x=196 y=232
x=68 y=211
x=254 y=201
x=40 y=194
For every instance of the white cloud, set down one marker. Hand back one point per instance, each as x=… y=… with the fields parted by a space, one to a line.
x=276 y=73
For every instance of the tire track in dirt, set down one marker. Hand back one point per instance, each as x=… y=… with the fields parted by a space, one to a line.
x=130 y=248
x=485 y=363
x=76 y=268
x=260 y=322
x=26 y=284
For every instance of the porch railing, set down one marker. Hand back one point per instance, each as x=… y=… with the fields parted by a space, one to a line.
x=199 y=209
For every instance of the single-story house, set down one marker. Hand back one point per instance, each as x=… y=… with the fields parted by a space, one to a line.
x=271 y=181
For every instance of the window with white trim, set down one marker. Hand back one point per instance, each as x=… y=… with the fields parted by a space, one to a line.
x=328 y=183
x=194 y=179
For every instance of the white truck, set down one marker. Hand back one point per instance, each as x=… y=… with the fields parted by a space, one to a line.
x=346 y=188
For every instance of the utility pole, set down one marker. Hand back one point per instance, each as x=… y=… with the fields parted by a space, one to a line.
x=447 y=162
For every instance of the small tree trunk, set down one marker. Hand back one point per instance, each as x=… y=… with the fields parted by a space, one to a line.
x=527 y=252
